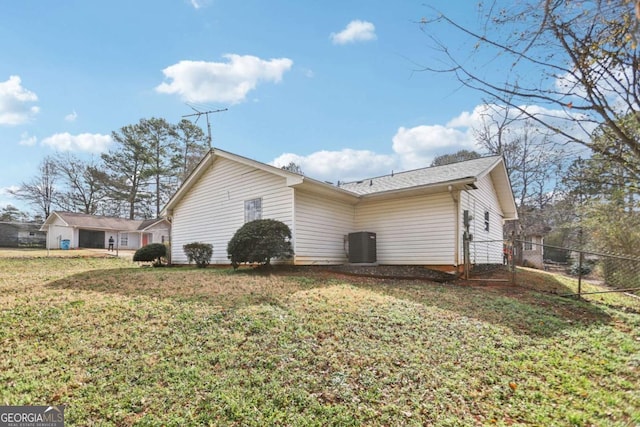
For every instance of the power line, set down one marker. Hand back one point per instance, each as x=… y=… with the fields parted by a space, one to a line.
x=206 y=114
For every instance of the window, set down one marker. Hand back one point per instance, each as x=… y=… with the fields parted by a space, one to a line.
x=124 y=239
x=528 y=243
x=486 y=220
x=252 y=210
x=32 y=234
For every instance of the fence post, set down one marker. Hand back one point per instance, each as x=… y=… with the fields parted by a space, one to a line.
x=580 y=258
x=512 y=259
x=465 y=250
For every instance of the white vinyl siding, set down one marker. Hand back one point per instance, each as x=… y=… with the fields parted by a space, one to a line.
x=486 y=247
x=57 y=233
x=213 y=209
x=321 y=227
x=159 y=233
x=416 y=230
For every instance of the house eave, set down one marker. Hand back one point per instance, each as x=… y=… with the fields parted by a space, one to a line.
x=439 y=187
x=48 y=221
x=328 y=190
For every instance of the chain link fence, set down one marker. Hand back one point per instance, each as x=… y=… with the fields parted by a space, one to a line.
x=487 y=260
x=613 y=272
x=497 y=261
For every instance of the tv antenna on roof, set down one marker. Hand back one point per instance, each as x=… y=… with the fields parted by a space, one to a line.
x=206 y=114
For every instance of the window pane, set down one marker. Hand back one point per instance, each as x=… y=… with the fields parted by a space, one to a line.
x=528 y=244
x=252 y=210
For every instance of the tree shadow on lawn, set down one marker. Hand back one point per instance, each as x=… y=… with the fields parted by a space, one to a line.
x=217 y=287
x=522 y=310
x=537 y=310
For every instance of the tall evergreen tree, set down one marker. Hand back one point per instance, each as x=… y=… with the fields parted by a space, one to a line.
x=129 y=168
x=159 y=138
x=192 y=147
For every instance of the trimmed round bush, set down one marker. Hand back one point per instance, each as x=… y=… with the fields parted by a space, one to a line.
x=259 y=241
x=198 y=252
x=153 y=252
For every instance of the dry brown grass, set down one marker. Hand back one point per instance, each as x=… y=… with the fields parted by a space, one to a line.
x=121 y=345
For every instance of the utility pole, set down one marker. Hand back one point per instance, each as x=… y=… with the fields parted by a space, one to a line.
x=206 y=114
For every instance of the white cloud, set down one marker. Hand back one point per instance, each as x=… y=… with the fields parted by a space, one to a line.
x=419 y=145
x=343 y=165
x=412 y=148
x=86 y=142
x=15 y=102
x=488 y=116
x=6 y=191
x=199 y=4
x=7 y=199
x=71 y=117
x=355 y=31
x=201 y=81
x=26 y=139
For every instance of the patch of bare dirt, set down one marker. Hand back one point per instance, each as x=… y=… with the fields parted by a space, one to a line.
x=405 y=272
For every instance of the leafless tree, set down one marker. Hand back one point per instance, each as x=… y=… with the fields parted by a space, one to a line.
x=83 y=181
x=570 y=66
x=41 y=191
x=459 y=156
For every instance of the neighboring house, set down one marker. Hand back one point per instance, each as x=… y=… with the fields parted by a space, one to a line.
x=21 y=235
x=78 y=230
x=530 y=243
x=417 y=216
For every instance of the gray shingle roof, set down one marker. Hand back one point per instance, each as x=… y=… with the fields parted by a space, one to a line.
x=103 y=222
x=421 y=177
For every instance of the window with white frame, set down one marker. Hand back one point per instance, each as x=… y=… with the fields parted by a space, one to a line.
x=486 y=220
x=124 y=239
x=252 y=209
x=528 y=243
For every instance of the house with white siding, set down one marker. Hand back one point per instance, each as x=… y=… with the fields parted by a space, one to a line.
x=71 y=230
x=415 y=217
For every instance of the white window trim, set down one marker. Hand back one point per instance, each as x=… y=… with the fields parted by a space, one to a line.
x=252 y=209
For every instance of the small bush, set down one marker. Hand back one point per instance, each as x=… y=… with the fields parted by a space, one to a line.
x=200 y=253
x=153 y=252
x=576 y=271
x=259 y=241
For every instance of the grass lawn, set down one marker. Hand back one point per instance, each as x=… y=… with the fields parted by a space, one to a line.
x=122 y=345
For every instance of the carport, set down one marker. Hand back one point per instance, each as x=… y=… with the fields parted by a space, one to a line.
x=94 y=239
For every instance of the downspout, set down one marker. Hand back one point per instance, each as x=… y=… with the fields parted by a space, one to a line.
x=456 y=247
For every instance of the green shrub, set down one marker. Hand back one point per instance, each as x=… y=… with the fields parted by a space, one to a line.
x=153 y=252
x=259 y=241
x=577 y=270
x=198 y=252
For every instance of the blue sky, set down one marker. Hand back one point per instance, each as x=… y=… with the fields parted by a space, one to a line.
x=334 y=86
